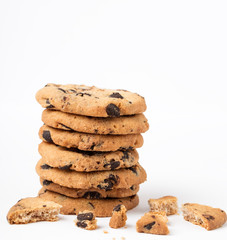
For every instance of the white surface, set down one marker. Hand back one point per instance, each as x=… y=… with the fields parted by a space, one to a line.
x=171 y=52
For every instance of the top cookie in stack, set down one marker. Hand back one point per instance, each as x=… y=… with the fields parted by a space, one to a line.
x=90 y=136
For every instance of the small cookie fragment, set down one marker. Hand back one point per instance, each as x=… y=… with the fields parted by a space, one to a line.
x=33 y=209
x=167 y=204
x=153 y=223
x=86 y=220
x=207 y=217
x=119 y=216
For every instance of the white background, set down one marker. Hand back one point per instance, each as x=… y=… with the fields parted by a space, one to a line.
x=174 y=53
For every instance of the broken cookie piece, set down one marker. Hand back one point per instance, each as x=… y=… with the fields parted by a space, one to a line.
x=153 y=223
x=167 y=204
x=33 y=209
x=119 y=216
x=207 y=217
x=86 y=220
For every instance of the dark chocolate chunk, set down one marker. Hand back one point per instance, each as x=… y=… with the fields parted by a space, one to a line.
x=47 y=136
x=149 y=225
x=117 y=208
x=116 y=95
x=45 y=166
x=113 y=164
x=66 y=167
x=82 y=94
x=68 y=128
x=112 y=110
x=62 y=90
x=208 y=217
x=92 y=146
x=46 y=182
x=44 y=205
x=133 y=169
x=49 y=105
x=72 y=90
x=92 y=195
x=85 y=216
x=132 y=187
x=91 y=205
x=125 y=155
x=109 y=182
x=81 y=224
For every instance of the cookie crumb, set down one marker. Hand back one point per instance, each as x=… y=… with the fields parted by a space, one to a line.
x=153 y=223
x=104 y=231
x=119 y=216
x=86 y=220
x=166 y=203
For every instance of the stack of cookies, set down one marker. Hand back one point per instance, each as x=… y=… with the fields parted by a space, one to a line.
x=89 y=158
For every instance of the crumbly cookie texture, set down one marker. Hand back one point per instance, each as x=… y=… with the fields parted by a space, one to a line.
x=89 y=142
x=106 y=180
x=133 y=124
x=74 y=159
x=119 y=216
x=207 y=217
x=86 y=220
x=153 y=223
x=100 y=207
x=90 y=101
x=92 y=193
x=33 y=209
x=167 y=204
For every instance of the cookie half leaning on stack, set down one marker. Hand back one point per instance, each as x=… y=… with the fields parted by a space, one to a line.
x=89 y=158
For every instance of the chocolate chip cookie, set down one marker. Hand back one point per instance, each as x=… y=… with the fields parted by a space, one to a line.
x=92 y=193
x=207 y=217
x=133 y=124
x=107 y=180
x=101 y=207
x=90 y=101
x=33 y=209
x=90 y=142
x=74 y=159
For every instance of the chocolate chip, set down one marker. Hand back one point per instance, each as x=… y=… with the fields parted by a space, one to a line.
x=45 y=166
x=47 y=136
x=66 y=167
x=129 y=102
x=46 y=182
x=132 y=187
x=49 y=105
x=108 y=183
x=91 y=205
x=62 y=90
x=85 y=216
x=82 y=94
x=133 y=169
x=117 y=208
x=92 y=146
x=113 y=164
x=72 y=90
x=208 y=217
x=81 y=224
x=64 y=126
x=92 y=195
x=125 y=155
x=116 y=95
x=149 y=225
x=112 y=110
x=44 y=205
